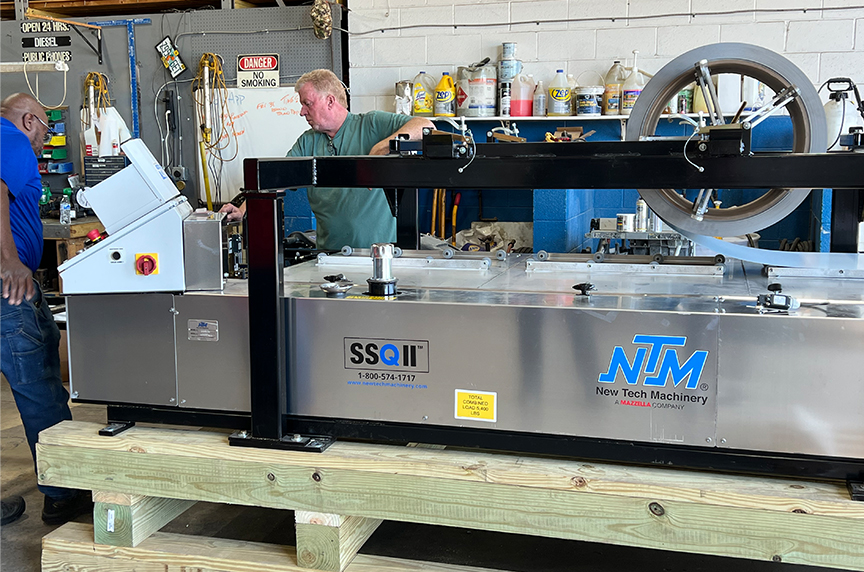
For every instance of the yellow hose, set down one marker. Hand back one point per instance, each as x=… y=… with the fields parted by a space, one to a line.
x=206 y=174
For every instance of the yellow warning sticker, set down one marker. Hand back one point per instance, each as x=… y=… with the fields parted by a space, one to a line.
x=476 y=405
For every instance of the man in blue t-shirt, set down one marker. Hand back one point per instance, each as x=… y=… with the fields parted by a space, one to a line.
x=29 y=338
x=345 y=217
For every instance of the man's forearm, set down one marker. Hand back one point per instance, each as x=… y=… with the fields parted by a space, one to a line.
x=414 y=128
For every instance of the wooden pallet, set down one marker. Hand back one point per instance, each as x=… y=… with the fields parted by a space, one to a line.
x=144 y=477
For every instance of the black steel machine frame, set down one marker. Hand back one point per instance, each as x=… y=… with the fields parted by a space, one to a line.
x=607 y=165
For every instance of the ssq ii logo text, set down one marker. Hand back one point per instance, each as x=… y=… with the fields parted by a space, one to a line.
x=386 y=354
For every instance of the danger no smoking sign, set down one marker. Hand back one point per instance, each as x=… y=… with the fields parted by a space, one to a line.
x=261 y=71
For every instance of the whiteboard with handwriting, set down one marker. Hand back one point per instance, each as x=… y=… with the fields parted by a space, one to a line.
x=267 y=122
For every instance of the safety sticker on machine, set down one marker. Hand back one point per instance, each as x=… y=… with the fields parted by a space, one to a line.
x=203 y=330
x=476 y=405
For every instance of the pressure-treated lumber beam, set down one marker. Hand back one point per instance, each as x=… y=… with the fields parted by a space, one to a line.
x=330 y=541
x=688 y=511
x=71 y=547
x=126 y=519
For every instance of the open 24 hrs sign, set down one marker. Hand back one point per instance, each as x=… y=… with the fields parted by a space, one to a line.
x=260 y=71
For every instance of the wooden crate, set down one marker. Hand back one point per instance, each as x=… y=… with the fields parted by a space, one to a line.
x=144 y=477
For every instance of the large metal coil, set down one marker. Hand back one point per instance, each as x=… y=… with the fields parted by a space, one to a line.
x=772 y=69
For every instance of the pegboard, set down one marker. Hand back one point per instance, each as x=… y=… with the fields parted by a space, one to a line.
x=287 y=33
x=300 y=52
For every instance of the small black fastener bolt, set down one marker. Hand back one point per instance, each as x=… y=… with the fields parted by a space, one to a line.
x=271 y=477
x=656 y=509
x=776 y=558
x=316 y=477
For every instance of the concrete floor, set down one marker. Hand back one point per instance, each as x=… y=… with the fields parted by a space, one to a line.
x=20 y=542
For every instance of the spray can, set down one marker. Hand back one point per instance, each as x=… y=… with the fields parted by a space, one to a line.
x=559 y=95
x=424 y=95
x=504 y=97
x=445 y=97
x=641 y=215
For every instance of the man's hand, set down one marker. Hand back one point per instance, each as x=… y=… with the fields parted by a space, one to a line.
x=17 y=281
x=234 y=213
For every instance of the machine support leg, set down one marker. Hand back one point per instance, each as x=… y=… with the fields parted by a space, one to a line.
x=121 y=519
x=330 y=541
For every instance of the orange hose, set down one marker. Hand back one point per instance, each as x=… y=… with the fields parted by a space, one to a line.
x=434 y=210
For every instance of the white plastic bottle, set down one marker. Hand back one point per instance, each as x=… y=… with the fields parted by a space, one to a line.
x=614 y=81
x=65 y=210
x=539 y=108
x=522 y=95
x=423 y=92
x=559 y=96
x=632 y=87
x=841 y=114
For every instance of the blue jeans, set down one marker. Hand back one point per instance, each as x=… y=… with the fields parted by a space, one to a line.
x=30 y=360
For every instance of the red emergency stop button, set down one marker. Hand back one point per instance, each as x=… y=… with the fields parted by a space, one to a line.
x=146 y=264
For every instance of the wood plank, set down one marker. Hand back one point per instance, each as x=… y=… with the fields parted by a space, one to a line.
x=322 y=518
x=71 y=547
x=767 y=493
x=708 y=514
x=332 y=546
x=134 y=519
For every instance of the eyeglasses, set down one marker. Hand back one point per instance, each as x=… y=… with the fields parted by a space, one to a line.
x=48 y=127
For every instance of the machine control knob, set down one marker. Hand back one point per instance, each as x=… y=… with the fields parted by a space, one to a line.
x=146 y=265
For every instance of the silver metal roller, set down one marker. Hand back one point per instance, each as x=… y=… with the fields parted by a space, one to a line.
x=772 y=69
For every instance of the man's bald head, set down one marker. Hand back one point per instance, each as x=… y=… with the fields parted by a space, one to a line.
x=28 y=116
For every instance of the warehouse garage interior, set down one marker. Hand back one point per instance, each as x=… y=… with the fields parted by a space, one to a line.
x=516 y=285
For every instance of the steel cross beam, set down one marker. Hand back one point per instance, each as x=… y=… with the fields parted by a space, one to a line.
x=133 y=65
x=611 y=165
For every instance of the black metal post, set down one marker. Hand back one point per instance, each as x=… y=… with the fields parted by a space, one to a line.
x=265 y=226
x=407 y=225
x=846 y=208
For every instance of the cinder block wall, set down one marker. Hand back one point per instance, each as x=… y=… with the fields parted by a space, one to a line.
x=825 y=38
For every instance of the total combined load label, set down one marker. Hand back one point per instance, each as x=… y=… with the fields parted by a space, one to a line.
x=476 y=405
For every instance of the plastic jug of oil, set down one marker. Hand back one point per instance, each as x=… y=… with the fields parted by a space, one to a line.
x=423 y=91
x=521 y=96
x=559 y=95
x=632 y=87
x=614 y=81
x=445 y=97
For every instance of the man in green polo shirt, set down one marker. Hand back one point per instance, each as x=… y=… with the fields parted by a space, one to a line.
x=352 y=217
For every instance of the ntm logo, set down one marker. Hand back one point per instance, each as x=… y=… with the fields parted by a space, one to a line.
x=387 y=355
x=658 y=359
